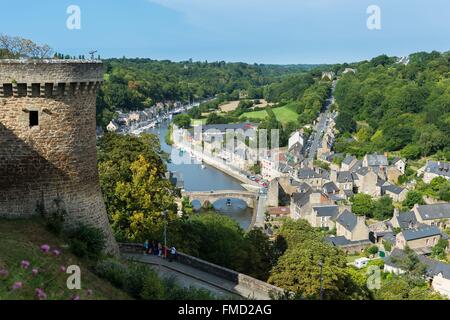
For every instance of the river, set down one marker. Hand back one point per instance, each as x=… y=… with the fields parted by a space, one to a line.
x=198 y=179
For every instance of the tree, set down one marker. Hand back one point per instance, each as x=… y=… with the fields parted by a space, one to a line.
x=298 y=271
x=345 y=122
x=362 y=204
x=440 y=250
x=182 y=121
x=16 y=47
x=383 y=208
x=413 y=197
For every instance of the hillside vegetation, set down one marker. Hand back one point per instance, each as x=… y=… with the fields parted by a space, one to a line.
x=404 y=108
x=24 y=267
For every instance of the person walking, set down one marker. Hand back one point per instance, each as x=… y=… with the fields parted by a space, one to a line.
x=173 y=254
x=160 y=249
x=146 y=244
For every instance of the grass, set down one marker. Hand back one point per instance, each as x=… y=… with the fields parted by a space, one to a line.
x=21 y=240
x=284 y=114
x=195 y=122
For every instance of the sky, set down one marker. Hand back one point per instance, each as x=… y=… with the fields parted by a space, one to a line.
x=252 y=31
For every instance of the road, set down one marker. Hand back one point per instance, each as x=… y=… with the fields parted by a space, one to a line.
x=187 y=276
x=314 y=142
x=261 y=211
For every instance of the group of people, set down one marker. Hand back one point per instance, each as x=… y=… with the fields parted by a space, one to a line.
x=156 y=248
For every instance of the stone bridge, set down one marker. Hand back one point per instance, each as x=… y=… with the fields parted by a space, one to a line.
x=250 y=198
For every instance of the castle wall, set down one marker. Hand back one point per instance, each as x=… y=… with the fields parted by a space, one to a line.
x=55 y=159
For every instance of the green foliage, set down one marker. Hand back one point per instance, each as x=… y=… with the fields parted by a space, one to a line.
x=407 y=106
x=86 y=241
x=132 y=178
x=139 y=83
x=372 y=250
x=182 y=121
x=220 y=240
x=387 y=245
x=400 y=288
x=440 y=250
x=413 y=197
x=380 y=209
x=143 y=283
x=345 y=122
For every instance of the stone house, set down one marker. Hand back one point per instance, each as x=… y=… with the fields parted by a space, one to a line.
x=404 y=220
x=352 y=227
x=348 y=163
x=302 y=203
x=375 y=160
x=323 y=216
x=421 y=239
x=366 y=181
x=399 y=164
x=398 y=194
x=433 y=214
x=434 y=169
x=315 y=178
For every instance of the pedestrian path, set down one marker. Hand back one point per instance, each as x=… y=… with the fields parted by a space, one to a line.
x=188 y=276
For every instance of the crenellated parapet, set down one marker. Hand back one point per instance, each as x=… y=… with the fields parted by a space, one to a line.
x=48 y=89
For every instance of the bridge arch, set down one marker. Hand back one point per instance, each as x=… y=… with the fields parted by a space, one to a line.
x=250 y=198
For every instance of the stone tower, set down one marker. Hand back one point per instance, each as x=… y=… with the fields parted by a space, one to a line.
x=48 y=141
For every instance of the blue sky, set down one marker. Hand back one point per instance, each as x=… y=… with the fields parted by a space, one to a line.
x=262 y=31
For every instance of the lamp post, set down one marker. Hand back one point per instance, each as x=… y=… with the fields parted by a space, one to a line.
x=165 y=213
x=321 y=279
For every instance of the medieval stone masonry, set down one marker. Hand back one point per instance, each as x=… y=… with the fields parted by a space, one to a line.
x=48 y=142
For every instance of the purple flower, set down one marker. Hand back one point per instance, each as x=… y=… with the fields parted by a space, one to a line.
x=89 y=292
x=62 y=269
x=34 y=272
x=45 y=248
x=17 y=285
x=56 y=252
x=75 y=298
x=40 y=294
x=4 y=273
x=25 y=264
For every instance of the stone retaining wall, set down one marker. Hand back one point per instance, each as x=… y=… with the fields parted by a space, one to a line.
x=221 y=272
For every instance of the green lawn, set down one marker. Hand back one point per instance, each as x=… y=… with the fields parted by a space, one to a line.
x=21 y=241
x=195 y=122
x=284 y=114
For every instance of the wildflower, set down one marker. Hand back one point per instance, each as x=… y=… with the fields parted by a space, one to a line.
x=45 y=248
x=34 y=272
x=56 y=252
x=4 y=273
x=75 y=298
x=40 y=294
x=25 y=264
x=17 y=285
x=89 y=292
x=62 y=269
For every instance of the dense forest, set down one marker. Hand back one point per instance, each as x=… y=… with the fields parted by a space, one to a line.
x=390 y=106
x=133 y=84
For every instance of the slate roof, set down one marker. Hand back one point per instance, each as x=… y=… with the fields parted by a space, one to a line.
x=330 y=187
x=342 y=241
x=308 y=173
x=393 y=188
x=344 y=176
x=326 y=211
x=348 y=160
x=433 y=267
x=434 y=211
x=348 y=220
x=438 y=167
x=406 y=219
x=356 y=166
x=420 y=233
x=300 y=199
x=377 y=160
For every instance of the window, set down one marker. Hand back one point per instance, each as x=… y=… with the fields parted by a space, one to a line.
x=34 y=118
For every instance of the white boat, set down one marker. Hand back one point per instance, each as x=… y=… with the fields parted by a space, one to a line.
x=203 y=167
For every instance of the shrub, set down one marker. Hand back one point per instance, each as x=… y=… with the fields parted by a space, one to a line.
x=152 y=287
x=86 y=241
x=113 y=271
x=372 y=250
